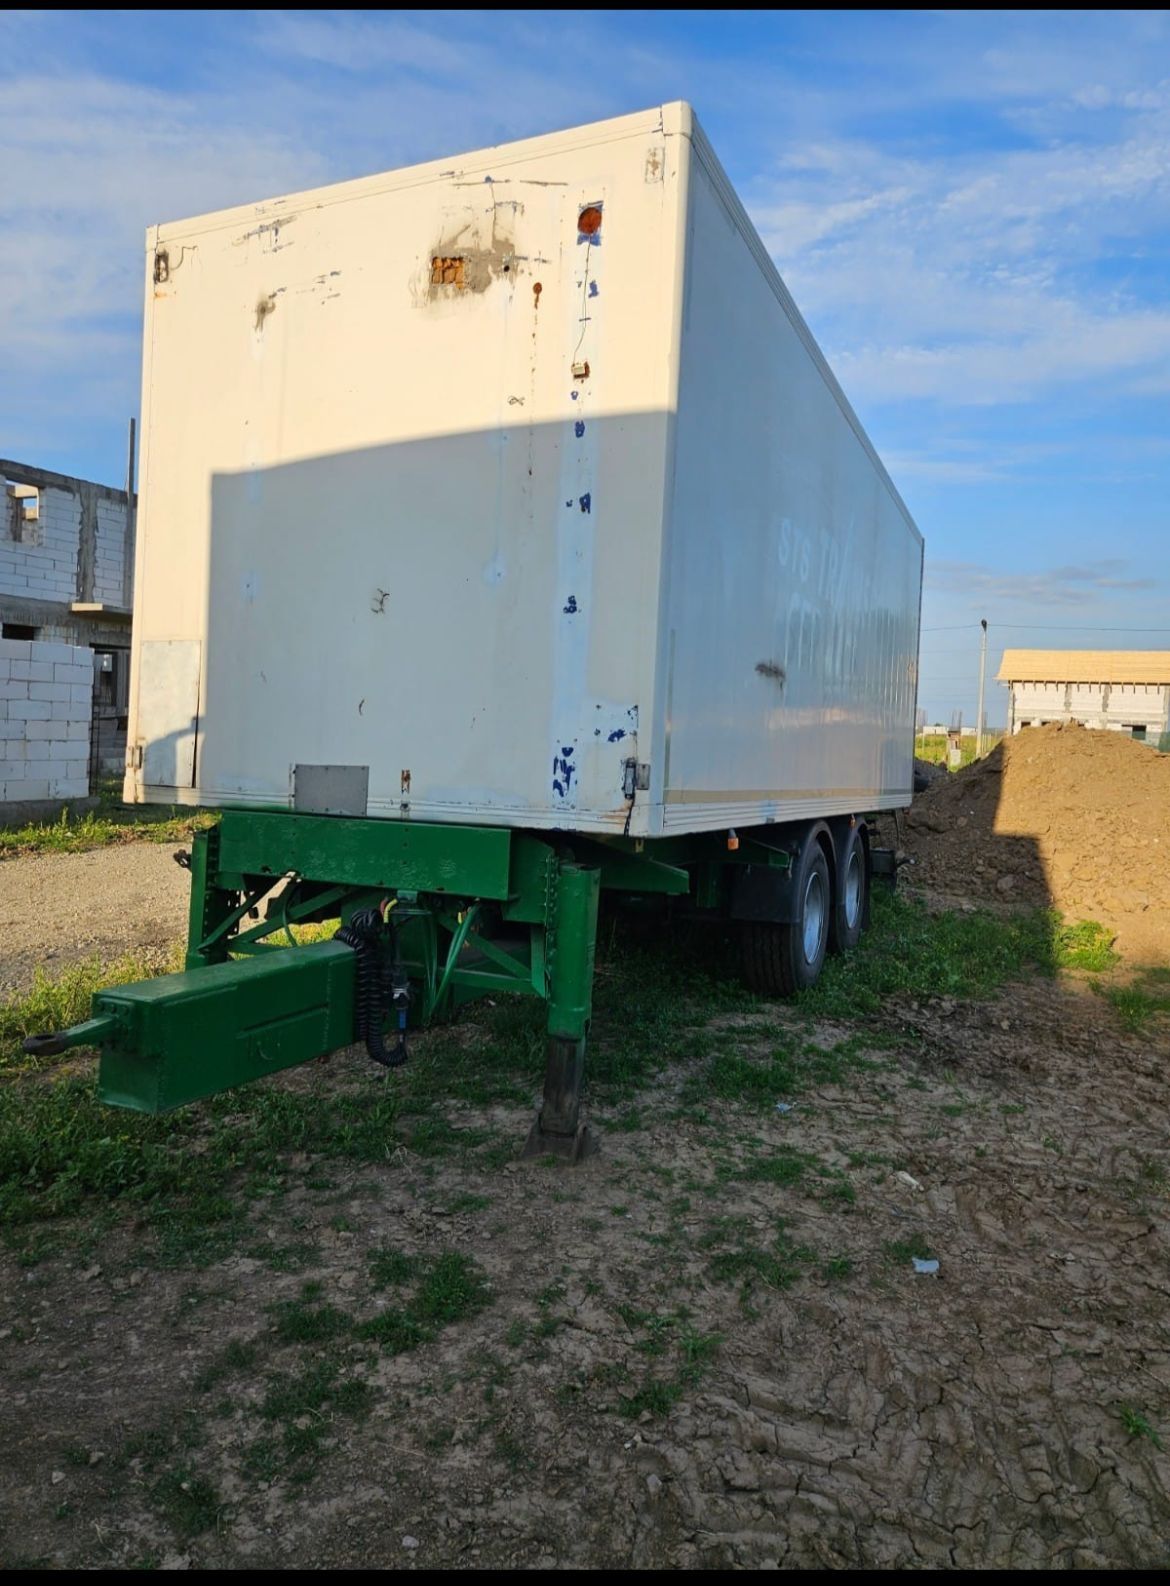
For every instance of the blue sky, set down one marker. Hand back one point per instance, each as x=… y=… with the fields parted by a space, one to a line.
x=972 y=210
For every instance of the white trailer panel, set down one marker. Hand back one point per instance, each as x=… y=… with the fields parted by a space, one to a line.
x=465 y=486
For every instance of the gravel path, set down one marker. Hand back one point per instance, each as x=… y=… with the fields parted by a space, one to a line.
x=57 y=908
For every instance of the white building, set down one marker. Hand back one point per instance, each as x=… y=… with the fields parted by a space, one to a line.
x=1122 y=690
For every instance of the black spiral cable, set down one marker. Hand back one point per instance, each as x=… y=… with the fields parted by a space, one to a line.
x=363 y=934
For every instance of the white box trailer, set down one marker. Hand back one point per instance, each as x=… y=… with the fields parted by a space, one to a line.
x=504 y=540
x=511 y=490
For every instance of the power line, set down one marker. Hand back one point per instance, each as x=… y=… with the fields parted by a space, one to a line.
x=1065 y=627
x=1044 y=627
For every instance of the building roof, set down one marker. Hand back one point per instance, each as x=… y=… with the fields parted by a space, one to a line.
x=1084 y=666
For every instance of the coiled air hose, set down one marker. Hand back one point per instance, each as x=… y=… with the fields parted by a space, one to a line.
x=363 y=933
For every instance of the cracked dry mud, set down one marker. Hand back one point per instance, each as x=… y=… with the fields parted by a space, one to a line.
x=861 y=1416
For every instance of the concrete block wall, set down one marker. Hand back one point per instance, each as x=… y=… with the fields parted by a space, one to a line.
x=110 y=553
x=46 y=705
x=75 y=550
x=43 y=566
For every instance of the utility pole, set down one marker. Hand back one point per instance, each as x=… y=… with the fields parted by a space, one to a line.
x=982 y=682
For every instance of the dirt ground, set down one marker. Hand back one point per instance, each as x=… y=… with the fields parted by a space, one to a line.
x=707 y=1346
x=1061 y=816
x=58 y=908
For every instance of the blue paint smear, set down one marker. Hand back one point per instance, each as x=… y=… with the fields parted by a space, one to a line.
x=566 y=751
x=593 y=289
x=573 y=395
x=617 y=735
x=593 y=241
x=568 y=503
x=489 y=178
x=586 y=502
x=558 y=790
x=570 y=606
x=579 y=428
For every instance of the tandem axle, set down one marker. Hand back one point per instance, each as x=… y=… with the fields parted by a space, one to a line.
x=434 y=916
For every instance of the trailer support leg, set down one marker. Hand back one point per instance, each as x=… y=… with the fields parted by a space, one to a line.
x=558 y=1129
x=209 y=907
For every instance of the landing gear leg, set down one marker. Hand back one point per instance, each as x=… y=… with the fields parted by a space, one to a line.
x=559 y=1129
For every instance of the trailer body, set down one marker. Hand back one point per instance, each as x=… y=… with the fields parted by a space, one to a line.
x=511 y=490
x=504 y=542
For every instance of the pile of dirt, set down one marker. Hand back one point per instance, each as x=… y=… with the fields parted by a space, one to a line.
x=1061 y=816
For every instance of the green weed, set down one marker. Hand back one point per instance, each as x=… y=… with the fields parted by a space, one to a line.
x=1138 y=1425
x=1085 y=945
x=900 y=1252
x=53 y=1002
x=776 y=1267
x=909 y=952
x=303 y=1322
x=388 y=1268
x=1141 y=1000
x=188 y=1502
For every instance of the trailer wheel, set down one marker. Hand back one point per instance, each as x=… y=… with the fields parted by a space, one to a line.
x=852 y=895
x=780 y=960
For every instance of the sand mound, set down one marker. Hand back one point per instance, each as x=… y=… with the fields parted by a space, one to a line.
x=1060 y=816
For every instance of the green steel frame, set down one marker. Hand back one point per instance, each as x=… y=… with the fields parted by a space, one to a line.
x=476 y=911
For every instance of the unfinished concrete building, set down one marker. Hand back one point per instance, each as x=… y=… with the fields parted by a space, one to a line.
x=66 y=577
x=1120 y=690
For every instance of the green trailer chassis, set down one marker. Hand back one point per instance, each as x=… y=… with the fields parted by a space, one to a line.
x=471 y=911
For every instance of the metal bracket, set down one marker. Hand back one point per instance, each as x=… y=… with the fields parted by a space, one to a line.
x=635 y=777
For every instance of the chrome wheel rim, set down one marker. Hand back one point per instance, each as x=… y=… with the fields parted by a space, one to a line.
x=853 y=889
x=814 y=916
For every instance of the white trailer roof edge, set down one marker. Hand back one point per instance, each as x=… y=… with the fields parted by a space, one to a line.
x=675 y=119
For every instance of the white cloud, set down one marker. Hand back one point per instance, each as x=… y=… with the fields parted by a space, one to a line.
x=981 y=277
x=1069 y=585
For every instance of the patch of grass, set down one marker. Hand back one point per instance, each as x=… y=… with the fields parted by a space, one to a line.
x=837 y=1269
x=900 y=1252
x=777 y=1266
x=303 y=1392
x=793 y=1067
x=781 y=1165
x=1085 y=945
x=189 y=1503
x=434 y=1136
x=304 y=1322
x=658 y=1395
x=388 y=1268
x=448 y=1289
x=1138 y=1425
x=112 y=822
x=910 y=952
x=452 y=1290
x=55 y=1001
x=286 y=1258
x=650 y=1003
x=1141 y=1000
x=191 y=1174
x=467 y=1202
x=395 y=1332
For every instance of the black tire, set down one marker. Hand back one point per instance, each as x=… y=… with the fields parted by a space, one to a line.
x=776 y=958
x=850 y=905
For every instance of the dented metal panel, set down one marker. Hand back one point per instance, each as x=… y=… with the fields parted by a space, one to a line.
x=412 y=482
